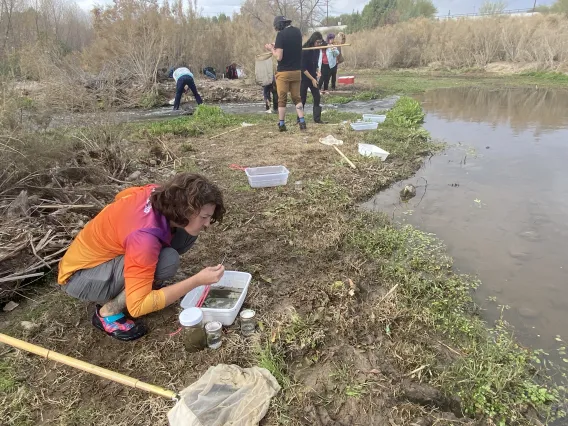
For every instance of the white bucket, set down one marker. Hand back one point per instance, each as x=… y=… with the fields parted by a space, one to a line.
x=369 y=150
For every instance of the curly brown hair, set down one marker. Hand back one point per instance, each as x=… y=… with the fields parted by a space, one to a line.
x=184 y=195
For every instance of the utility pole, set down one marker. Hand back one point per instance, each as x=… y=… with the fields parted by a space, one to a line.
x=534 y=6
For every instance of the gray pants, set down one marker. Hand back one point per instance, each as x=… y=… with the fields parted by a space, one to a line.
x=106 y=281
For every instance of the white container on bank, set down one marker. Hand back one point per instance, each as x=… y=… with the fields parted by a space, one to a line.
x=369 y=150
x=264 y=177
x=364 y=125
x=376 y=118
x=234 y=279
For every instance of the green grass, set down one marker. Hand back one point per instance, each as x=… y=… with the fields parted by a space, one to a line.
x=7 y=378
x=360 y=96
x=205 y=120
x=547 y=76
x=346 y=384
x=402 y=143
x=268 y=356
x=334 y=116
x=409 y=83
x=495 y=377
x=407 y=113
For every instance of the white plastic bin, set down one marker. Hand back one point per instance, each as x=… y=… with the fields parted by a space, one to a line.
x=364 y=125
x=262 y=177
x=227 y=317
x=374 y=118
x=369 y=150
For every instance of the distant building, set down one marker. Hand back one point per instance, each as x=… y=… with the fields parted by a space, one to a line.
x=331 y=29
x=516 y=13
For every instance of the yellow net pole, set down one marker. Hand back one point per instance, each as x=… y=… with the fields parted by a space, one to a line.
x=89 y=368
x=325 y=47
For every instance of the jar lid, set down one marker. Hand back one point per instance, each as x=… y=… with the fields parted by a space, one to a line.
x=213 y=326
x=247 y=314
x=190 y=317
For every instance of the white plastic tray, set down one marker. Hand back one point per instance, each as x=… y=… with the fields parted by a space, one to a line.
x=374 y=118
x=227 y=317
x=369 y=150
x=364 y=125
x=263 y=177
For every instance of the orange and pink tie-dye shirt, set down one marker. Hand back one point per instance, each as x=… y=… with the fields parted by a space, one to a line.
x=131 y=227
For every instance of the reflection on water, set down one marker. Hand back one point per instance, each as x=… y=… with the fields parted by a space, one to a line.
x=520 y=109
x=499 y=199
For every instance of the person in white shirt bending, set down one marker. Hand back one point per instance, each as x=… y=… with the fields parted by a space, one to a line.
x=183 y=78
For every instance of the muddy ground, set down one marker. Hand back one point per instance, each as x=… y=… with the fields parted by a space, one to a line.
x=344 y=342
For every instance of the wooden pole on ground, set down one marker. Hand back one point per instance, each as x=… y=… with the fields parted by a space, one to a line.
x=326 y=47
x=89 y=368
x=224 y=133
x=344 y=156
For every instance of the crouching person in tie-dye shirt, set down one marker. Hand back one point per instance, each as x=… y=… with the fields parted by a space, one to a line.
x=123 y=255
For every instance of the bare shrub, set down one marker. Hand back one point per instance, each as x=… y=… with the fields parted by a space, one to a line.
x=51 y=184
x=463 y=43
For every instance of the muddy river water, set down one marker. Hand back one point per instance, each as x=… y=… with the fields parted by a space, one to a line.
x=498 y=198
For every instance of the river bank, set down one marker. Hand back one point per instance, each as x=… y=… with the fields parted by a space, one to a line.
x=363 y=322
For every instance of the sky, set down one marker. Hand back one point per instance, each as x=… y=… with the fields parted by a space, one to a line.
x=215 y=7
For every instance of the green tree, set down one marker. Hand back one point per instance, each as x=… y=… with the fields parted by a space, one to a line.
x=377 y=12
x=382 y=12
x=492 y=7
x=560 y=6
x=409 y=9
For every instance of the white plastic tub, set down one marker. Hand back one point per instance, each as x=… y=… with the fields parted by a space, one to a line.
x=369 y=150
x=374 y=118
x=263 y=177
x=227 y=317
x=364 y=125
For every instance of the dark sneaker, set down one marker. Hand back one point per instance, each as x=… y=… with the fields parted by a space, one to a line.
x=282 y=128
x=122 y=329
x=303 y=126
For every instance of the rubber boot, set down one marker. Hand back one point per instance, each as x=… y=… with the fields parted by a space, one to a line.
x=317 y=115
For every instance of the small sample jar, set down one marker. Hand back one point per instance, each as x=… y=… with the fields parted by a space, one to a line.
x=191 y=321
x=248 y=322
x=214 y=331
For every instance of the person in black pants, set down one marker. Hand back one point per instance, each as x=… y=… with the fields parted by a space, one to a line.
x=309 y=73
x=328 y=64
x=269 y=91
x=183 y=78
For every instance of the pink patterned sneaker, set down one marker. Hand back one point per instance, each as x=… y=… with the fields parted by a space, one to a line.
x=118 y=326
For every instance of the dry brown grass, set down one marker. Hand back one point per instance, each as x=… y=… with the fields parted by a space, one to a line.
x=135 y=43
x=539 y=40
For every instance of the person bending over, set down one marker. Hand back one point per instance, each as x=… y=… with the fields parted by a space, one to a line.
x=122 y=257
x=288 y=51
x=270 y=95
x=184 y=78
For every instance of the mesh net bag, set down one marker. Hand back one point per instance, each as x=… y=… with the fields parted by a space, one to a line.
x=225 y=395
